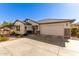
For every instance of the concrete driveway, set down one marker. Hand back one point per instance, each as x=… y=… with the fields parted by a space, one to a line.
x=29 y=47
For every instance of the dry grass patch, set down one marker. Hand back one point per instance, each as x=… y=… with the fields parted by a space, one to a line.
x=3 y=38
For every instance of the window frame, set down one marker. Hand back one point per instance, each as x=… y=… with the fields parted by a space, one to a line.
x=17 y=27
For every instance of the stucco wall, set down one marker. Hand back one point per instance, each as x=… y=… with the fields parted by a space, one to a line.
x=22 y=27
x=54 y=28
x=29 y=27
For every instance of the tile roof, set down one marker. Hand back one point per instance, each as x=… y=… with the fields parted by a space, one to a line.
x=25 y=23
x=55 y=20
x=49 y=20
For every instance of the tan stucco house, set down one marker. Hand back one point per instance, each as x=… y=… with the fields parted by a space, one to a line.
x=58 y=27
x=26 y=26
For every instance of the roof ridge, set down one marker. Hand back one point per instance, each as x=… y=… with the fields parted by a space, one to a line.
x=31 y=20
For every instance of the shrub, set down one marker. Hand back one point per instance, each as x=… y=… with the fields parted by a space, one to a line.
x=13 y=33
x=74 y=31
x=78 y=34
x=3 y=38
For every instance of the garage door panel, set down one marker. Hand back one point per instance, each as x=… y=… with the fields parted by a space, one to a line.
x=52 y=29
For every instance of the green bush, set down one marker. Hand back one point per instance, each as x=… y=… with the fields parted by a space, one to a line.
x=12 y=33
x=74 y=31
x=16 y=34
x=3 y=38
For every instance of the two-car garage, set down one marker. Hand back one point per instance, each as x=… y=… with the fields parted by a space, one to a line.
x=58 y=28
x=52 y=29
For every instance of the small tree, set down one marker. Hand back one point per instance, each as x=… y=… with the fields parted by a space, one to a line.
x=7 y=24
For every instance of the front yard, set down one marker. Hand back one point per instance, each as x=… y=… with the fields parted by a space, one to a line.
x=34 y=46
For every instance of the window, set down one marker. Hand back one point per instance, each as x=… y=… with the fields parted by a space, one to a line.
x=18 y=28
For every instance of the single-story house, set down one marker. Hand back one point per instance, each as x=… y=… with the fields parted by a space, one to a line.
x=58 y=27
x=26 y=26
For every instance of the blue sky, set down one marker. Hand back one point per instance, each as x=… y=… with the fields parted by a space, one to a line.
x=38 y=11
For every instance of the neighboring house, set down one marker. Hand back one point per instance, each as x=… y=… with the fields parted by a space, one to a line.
x=58 y=27
x=75 y=25
x=5 y=31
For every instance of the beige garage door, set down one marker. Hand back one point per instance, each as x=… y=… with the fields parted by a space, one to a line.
x=52 y=29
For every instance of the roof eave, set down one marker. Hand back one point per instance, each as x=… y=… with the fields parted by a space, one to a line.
x=72 y=20
x=58 y=22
